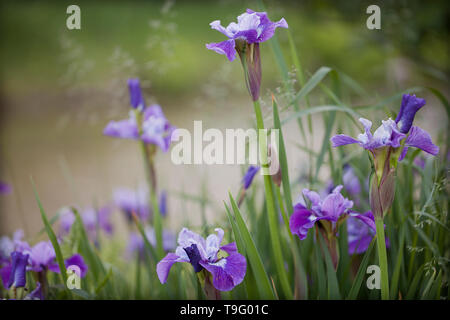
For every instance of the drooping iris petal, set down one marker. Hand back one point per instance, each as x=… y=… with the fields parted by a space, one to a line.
x=410 y=105
x=17 y=276
x=342 y=140
x=163 y=267
x=124 y=129
x=249 y=175
x=301 y=221
x=136 y=98
x=225 y=47
x=419 y=138
x=77 y=260
x=227 y=272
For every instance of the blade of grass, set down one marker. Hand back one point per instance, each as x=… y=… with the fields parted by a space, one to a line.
x=52 y=237
x=261 y=276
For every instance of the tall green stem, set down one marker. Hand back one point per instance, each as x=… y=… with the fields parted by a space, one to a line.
x=272 y=216
x=382 y=258
x=151 y=181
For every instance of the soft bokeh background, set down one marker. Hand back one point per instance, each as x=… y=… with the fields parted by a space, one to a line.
x=59 y=88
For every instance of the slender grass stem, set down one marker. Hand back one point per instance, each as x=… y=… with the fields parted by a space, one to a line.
x=151 y=180
x=382 y=257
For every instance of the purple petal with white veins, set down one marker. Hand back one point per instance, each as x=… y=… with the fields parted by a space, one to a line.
x=163 y=267
x=226 y=47
x=227 y=272
x=421 y=139
x=342 y=140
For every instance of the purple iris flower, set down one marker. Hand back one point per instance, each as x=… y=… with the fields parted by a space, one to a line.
x=136 y=242
x=129 y=201
x=331 y=208
x=136 y=98
x=387 y=134
x=17 y=272
x=156 y=129
x=249 y=175
x=251 y=27
x=391 y=133
x=203 y=254
x=5 y=188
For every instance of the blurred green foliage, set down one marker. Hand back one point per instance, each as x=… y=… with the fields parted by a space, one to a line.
x=164 y=41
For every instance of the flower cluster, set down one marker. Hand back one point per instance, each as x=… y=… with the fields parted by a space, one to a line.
x=18 y=257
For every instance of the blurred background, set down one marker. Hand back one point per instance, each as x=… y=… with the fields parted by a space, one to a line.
x=60 y=87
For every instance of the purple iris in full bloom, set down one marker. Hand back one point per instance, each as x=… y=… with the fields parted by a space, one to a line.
x=202 y=254
x=144 y=123
x=334 y=207
x=249 y=175
x=391 y=133
x=251 y=27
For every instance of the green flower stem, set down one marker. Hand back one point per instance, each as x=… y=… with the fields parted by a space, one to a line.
x=151 y=180
x=272 y=216
x=382 y=258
